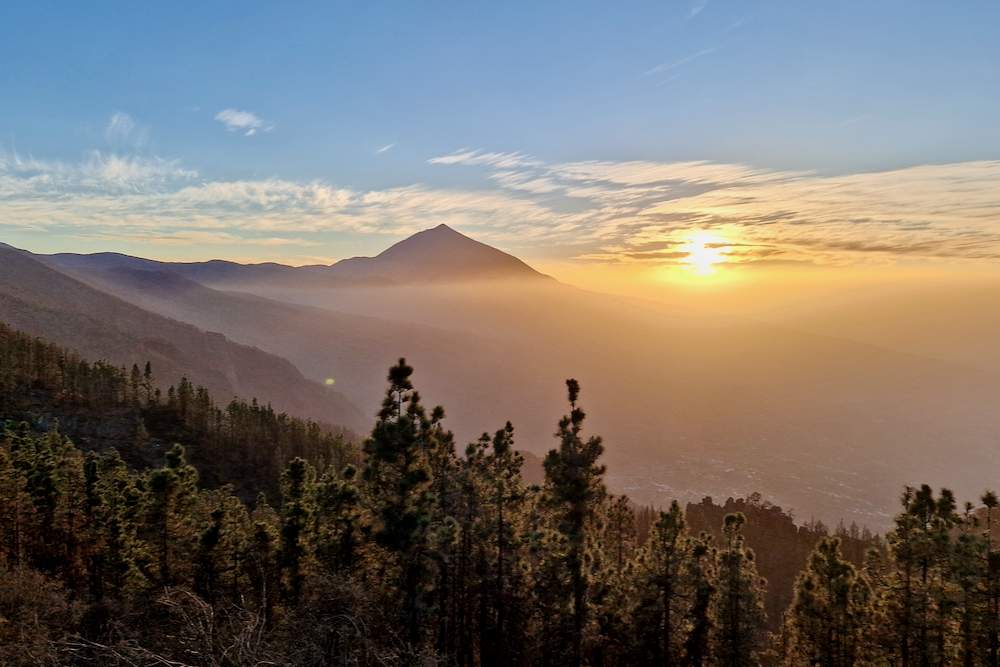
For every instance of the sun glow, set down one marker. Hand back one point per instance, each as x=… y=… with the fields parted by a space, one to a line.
x=704 y=252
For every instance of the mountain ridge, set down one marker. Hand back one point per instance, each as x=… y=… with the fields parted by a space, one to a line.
x=47 y=303
x=434 y=255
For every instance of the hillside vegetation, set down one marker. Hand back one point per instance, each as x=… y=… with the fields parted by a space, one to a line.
x=405 y=553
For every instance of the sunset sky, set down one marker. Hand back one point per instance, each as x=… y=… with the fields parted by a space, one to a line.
x=602 y=142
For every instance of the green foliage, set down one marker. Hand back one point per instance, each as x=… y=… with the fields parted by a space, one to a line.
x=298 y=509
x=574 y=489
x=831 y=610
x=739 y=611
x=413 y=555
x=168 y=524
x=669 y=624
x=105 y=407
x=398 y=477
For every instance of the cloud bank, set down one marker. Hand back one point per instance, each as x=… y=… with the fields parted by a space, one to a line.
x=633 y=212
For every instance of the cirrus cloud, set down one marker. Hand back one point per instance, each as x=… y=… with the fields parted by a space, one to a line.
x=123 y=131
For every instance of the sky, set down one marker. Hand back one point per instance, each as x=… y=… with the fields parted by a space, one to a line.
x=602 y=142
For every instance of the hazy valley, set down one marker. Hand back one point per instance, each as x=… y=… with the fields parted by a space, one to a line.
x=828 y=422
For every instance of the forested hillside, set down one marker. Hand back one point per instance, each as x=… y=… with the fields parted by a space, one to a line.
x=116 y=550
x=43 y=302
x=106 y=408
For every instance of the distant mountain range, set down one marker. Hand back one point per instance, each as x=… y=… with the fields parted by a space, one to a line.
x=690 y=403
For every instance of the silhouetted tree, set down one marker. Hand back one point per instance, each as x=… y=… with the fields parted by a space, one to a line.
x=831 y=610
x=574 y=489
x=740 y=606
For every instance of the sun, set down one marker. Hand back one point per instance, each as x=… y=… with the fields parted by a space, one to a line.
x=704 y=251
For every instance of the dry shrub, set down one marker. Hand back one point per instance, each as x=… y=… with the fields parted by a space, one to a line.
x=34 y=613
x=340 y=622
x=178 y=628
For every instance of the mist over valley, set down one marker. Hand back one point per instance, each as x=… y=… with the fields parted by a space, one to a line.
x=690 y=403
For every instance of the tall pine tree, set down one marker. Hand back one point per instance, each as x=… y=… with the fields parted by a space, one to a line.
x=574 y=488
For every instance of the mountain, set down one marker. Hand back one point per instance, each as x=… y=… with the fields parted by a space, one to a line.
x=434 y=255
x=43 y=302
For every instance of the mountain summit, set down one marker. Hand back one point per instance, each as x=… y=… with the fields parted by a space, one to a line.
x=434 y=255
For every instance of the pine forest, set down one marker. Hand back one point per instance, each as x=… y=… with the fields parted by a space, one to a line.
x=144 y=524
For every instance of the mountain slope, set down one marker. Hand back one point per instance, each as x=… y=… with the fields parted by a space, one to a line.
x=354 y=350
x=44 y=302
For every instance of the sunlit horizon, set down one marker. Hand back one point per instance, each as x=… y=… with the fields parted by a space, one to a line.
x=629 y=176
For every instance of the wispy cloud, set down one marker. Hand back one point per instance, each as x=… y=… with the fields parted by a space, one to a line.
x=697 y=8
x=129 y=197
x=470 y=157
x=664 y=67
x=242 y=121
x=851 y=121
x=638 y=208
x=607 y=211
x=189 y=237
x=105 y=174
x=123 y=132
x=384 y=148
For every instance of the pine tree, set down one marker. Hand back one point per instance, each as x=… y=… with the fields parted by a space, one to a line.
x=614 y=550
x=991 y=584
x=342 y=526
x=968 y=571
x=702 y=578
x=261 y=563
x=298 y=509
x=15 y=510
x=169 y=529
x=830 y=610
x=148 y=385
x=507 y=501
x=489 y=561
x=443 y=534
x=662 y=590
x=574 y=490
x=920 y=599
x=224 y=534
x=398 y=481
x=740 y=607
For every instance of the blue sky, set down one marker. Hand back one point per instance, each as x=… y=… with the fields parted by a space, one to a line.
x=133 y=126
